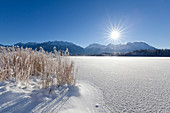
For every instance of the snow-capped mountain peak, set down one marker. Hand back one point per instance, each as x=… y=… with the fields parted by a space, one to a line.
x=111 y=48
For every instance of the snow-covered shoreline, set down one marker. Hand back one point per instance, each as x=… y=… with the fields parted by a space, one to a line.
x=83 y=98
x=114 y=84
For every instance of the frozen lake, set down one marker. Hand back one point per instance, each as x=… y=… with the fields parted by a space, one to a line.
x=129 y=84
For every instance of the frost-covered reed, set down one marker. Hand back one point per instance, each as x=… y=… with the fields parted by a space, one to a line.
x=51 y=68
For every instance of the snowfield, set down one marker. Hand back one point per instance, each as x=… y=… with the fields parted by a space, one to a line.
x=17 y=98
x=105 y=85
x=129 y=84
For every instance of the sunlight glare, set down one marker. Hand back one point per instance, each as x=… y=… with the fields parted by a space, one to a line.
x=115 y=33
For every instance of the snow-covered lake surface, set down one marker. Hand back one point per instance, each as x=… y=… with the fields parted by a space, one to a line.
x=105 y=85
x=129 y=84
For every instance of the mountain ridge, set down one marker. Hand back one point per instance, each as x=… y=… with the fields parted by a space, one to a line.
x=124 y=48
x=93 y=48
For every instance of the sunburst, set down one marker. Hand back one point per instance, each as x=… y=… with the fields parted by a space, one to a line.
x=115 y=33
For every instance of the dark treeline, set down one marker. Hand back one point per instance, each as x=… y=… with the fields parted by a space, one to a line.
x=156 y=52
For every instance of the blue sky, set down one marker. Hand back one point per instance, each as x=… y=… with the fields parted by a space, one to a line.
x=84 y=21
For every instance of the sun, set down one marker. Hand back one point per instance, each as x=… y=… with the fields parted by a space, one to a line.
x=115 y=34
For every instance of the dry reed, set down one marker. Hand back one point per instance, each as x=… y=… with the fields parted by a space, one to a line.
x=52 y=69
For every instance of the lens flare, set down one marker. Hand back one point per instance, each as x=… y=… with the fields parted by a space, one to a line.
x=115 y=33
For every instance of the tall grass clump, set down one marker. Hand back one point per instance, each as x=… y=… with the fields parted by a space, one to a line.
x=51 y=68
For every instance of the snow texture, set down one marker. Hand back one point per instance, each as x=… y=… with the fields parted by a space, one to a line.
x=24 y=98
x=106 y=85
x=129 y=84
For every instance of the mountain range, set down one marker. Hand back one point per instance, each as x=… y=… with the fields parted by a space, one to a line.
x=122 y=48
x=91 y=49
